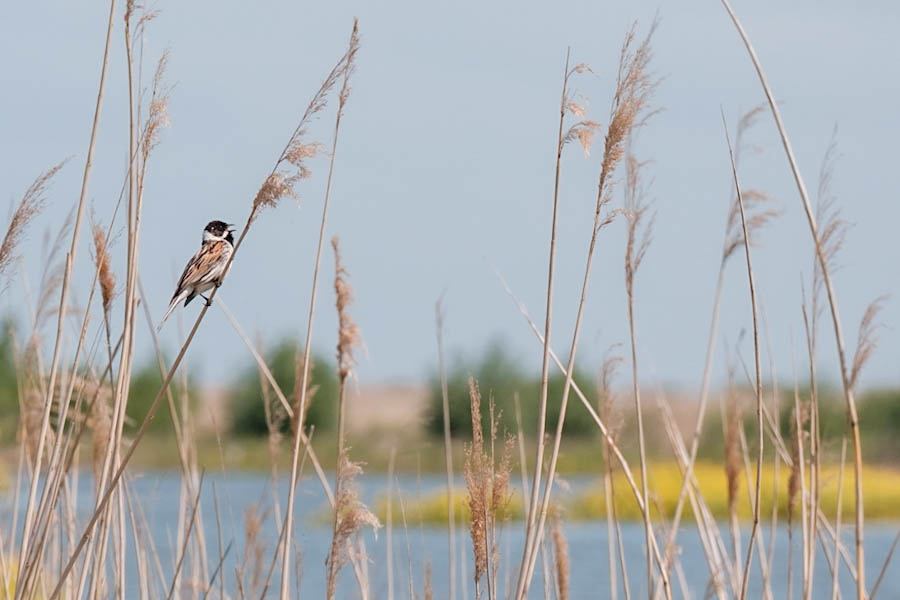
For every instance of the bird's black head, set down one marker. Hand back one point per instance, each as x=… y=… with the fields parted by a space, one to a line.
x=218 y=230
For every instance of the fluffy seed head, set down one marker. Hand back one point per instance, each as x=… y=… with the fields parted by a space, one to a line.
x=104 y=272
x=348 y=333
x=732 y=452
x=560 y=556
x=352 y=515
x=32 y=203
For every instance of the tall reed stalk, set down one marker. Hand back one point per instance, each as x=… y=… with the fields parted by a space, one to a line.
x=488 y=492
x=349 y=513
x=757 y=372
x=341 y=71
x=289 y=169
x=754 y=201
x=607 y=433
x=849 y=395
x=448 y=450
x=545 y=357
x=634 y=86
x=635 y=249
x=63 y=304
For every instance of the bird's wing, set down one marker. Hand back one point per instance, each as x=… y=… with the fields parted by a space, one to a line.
x=202 y=267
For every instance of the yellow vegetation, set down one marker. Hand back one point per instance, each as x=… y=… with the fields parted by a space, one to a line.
x=881 y=491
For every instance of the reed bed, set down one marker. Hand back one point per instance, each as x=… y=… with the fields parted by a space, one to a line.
x=53 y=549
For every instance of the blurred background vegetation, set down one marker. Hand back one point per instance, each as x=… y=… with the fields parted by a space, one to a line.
x=500 y=376
x=9 y=400
x=245 y=399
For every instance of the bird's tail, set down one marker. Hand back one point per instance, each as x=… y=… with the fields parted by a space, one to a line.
x=175 y=300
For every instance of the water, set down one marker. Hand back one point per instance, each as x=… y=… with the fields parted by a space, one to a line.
x=415 y=544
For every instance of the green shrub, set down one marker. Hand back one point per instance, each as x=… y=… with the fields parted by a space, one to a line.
x=879 y=424
x=246 y=399
x=500 y=376
x=9 y=399
x=145 y=384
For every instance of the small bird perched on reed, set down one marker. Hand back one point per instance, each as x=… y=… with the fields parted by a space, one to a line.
x=206 y=269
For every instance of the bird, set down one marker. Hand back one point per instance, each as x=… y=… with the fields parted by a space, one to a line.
x=206 y=269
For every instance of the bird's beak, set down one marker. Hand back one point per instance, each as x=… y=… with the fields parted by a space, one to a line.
x=231 y=227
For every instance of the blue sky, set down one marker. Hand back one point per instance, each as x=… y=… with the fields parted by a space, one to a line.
x=445 y=169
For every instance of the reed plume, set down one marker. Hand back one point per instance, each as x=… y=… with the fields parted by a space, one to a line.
x=100 y=423
x=560 y=557
x=428 y=588
x=757 y=381
x=349 y=337
x=158 y=109
x=31 y=411
x=758 y=212
x=629 y=111
x=639 y=234
x=733 y=463
x=105 y=275
x=822 y=261
x=102 y=503
x=253 y=547
x=867 y=339
x=343 y=69
x=448 y=449
x=351 y=515
x=605 y=406
x=33 y=202
x=281 y=182
x=477 y=482
x=488 y=492
x=759 y=209
x=53 y=258
x=300 y=410
x=794 y=487
x=634 y=88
